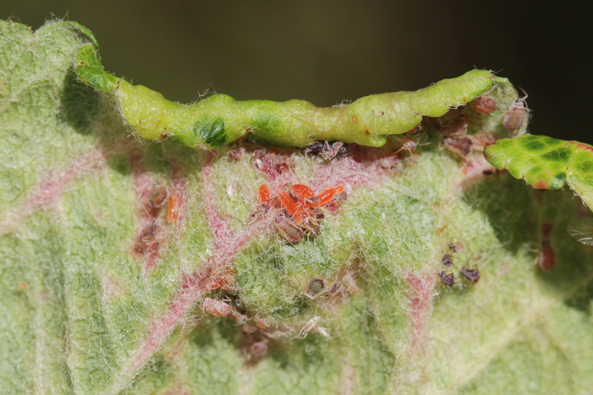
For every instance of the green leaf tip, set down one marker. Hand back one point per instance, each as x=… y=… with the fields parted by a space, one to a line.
x=546 y=163
x=295 y=123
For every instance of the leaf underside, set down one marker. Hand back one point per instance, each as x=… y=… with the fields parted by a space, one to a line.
x=85 y=310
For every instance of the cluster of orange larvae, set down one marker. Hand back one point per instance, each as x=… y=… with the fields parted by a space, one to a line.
x=298 y=208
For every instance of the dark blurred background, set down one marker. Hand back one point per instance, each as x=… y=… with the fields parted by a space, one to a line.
x=330 y=51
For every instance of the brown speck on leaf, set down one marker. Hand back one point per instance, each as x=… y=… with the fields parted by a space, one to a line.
x=354 y=118
x=22 y=285
x=547 y=257
x=473 y=275
x=447 y=260
x=236 y=153
x=447 y=278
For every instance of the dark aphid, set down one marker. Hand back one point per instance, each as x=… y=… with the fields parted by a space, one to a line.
x=448 y=279
x=452 y=248
x=547 y=258
x=315 y=288
x=259 y=349
x=236 y=153
x=459 y=144
x=484 y=104
x=447 y=260
x=333 y=150
x=159 y=196
x=343 y=151
x=313 y=149
x=513 y=118
x=472 y=275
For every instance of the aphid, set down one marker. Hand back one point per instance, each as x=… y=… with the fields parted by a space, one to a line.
x=547 y=258
x=148 y=235
x=513 y=118
x=333 y=151
x=315 y=288
x=236 y=153
x=448 y=279
x=308 y=326
x=472 y=275
x=484 y=104
x=173 y=208
x=452 y=248
x=259 y=349
x=158 y=196
x=409 y=145
x=288 y=229
x=313 y=148
x=459 y=144
x=216 y=307
x=447 y=260
x=582 y=231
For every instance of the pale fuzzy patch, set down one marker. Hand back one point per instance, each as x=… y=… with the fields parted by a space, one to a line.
x=51 y=187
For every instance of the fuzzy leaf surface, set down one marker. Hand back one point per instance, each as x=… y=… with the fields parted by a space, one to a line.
x=91 y=302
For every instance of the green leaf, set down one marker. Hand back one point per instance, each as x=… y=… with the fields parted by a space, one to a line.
x=101 y=294
x=546 y=163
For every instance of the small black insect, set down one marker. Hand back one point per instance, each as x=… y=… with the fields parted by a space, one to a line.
x=447 y=260
x=448 y=279
x=313 y=149
x=472 y=275
x=452 y=247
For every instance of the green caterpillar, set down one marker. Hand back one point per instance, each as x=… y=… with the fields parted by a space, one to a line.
x=220 y=120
